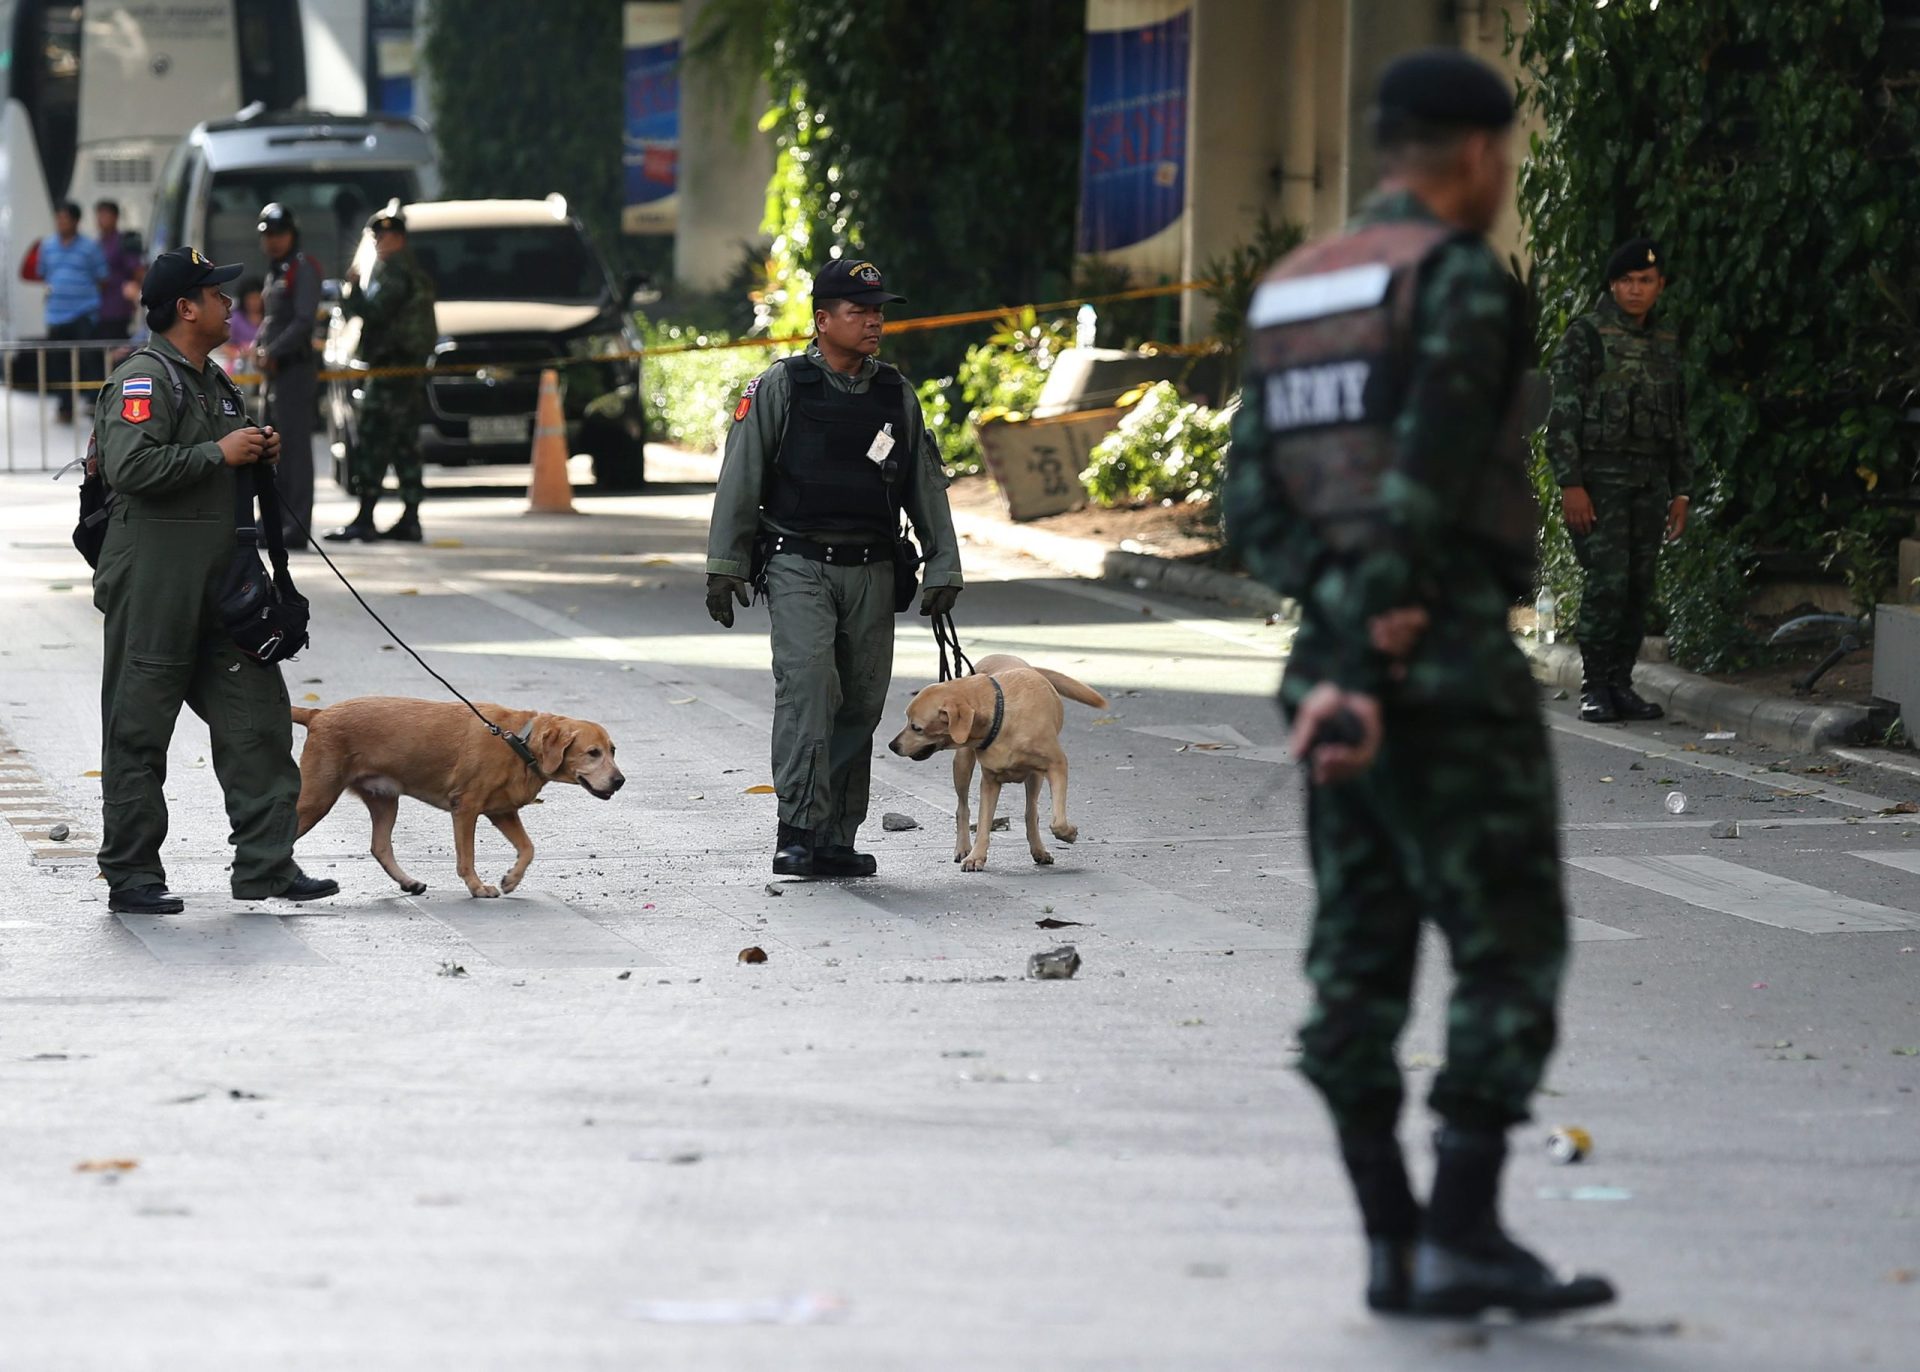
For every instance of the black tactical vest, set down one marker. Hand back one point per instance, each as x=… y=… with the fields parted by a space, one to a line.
x=823 y=481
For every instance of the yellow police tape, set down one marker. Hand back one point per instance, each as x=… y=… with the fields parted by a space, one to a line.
x=936 y=321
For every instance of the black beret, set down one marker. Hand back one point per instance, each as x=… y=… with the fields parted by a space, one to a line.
x=1636 y=254
x=1443 y=88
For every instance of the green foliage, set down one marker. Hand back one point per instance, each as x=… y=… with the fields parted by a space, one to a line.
x=1771 y=149
x=999 y=378
x=1236 y=272
x=561 y=130
x=690 y=397
x=1165 y=448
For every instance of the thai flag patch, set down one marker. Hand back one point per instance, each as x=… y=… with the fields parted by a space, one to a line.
x=137 y=385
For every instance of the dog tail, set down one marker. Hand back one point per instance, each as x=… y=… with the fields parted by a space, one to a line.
x=1073 y=690
x=303 y=716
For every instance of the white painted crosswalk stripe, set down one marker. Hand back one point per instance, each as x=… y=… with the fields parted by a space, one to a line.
x=1713 y=884
x=220 y=940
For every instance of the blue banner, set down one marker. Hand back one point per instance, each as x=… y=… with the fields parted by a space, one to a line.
x=652 y=151
x=1133 y=162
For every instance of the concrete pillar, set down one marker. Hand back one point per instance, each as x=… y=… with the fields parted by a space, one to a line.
x=725 y=164
x=1377 y=32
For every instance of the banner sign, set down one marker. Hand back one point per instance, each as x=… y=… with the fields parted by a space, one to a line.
x=652 y=153
x=1133 y=161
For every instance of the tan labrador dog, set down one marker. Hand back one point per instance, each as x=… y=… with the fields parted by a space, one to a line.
x=1025 y=747
x=385 y=747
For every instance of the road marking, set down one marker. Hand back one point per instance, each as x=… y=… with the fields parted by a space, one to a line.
x=1224 y=734
x=532 y=931
x=1133 y=603
x=1580 y=929
x=1900 y=859
x=1706 y=762
x=1880 y=758
x=1761 y=897
x=220 y=940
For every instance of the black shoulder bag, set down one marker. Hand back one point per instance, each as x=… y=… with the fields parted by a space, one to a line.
x=266 y=617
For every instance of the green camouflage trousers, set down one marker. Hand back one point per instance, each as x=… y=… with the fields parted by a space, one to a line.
x=1619 y=555
x=388 y=436
x=1454 y=823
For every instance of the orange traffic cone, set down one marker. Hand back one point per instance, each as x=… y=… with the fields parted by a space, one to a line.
x=550 y=492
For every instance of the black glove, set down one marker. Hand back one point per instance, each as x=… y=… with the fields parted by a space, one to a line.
x=938 y=600
x=722 y=591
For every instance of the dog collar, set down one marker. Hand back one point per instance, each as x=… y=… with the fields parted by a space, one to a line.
x=999 y=717
x=521 y=749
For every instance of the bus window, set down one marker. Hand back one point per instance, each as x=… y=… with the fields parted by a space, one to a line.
x=331 y=208
x=273 y=55
x=170 y=204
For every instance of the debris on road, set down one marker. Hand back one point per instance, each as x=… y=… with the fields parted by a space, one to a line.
x=963 y=1053
x=106 y=1165
x=1001 y=822
x=1051 y=923
x=896 y=823
x=761 y=790
x=625 y=976
x=1058 y=964
x=1676 y=802
x=1726 y=828
x=753 y=954
x=58 y=833
x=1905 y=807
x=1569 y=1144
x=1719 y=736
x=776 y=888
x=452 y=969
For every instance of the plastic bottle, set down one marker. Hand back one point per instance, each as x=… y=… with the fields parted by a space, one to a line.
x=1085 y=325
x=1546 y=616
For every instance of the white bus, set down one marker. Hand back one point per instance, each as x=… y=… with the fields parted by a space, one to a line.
x=94 y=95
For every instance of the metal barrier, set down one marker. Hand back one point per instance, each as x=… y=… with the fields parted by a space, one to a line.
x=36 y=378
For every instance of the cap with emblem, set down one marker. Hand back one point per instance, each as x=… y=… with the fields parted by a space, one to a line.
x=853 y=279
x=179 y=272
x=391 y=218
x=1635 y=255
x=1440 y=88
x=275 y=218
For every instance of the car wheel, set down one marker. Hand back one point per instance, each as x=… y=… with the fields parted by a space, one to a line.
x=619 y=461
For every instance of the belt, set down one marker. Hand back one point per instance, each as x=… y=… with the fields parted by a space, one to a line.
x=834 y=554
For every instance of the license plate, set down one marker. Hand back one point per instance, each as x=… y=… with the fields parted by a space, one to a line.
x=500 y=428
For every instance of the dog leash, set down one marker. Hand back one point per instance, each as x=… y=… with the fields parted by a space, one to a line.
x=947 y=637
x=516 y=741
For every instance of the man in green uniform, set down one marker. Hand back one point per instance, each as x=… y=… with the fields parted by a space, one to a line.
x=172 y=459
x=1369 y=481
x=826 y=450
x=1617 y=438
x=397 y=329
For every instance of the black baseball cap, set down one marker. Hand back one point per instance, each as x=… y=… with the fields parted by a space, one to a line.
x=857 y=280
x=275 y=218
x=179 y=272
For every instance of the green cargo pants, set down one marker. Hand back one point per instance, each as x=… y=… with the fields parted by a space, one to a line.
x=165 y=646
x=1455 y=822
x=832 y=663
x=1619 y=557
x=387 y=437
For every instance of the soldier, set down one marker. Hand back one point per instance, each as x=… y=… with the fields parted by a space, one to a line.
x=397 y=330
x=1617 y=438
x=1364 y=483
x=172 y=460
x=284 y=352
x=826 y=450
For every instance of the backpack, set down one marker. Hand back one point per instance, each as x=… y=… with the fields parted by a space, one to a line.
x=96 y=497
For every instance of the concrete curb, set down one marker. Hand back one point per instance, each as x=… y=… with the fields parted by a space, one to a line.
x=1095 y=561
x=1793 y=725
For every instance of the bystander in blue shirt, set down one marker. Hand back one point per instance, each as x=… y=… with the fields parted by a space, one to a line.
x=73 y=269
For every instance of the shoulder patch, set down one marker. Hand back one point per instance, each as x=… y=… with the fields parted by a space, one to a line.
x=746 y=400
x=136 y=409
x=137 y=385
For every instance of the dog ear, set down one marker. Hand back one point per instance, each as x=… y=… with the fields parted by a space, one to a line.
x=959 y=723
x=550 y=741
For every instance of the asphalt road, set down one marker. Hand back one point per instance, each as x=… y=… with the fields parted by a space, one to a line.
x=603 y=1141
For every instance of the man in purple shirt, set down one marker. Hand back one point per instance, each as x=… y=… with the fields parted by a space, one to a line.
x=122 y=251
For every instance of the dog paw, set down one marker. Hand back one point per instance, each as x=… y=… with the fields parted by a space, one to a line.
x=507 y=883
x=1042 y=858
x=1066 y=833
x=413 y=888
x=485 y=892
x=960 y=855
x=974 y=864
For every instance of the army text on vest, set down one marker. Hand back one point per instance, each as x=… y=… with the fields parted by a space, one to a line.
x=1331 y=339
x=823 y=481
x=1634 y=403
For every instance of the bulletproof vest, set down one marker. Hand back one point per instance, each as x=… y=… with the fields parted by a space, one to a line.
x=1634 y=403
x=1331 y=341
x=823 y=480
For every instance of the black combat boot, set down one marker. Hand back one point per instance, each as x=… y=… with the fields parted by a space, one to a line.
x=145 y=900
x=1389 y=1213
x=793 y=852
x=839 y=860
x=1596 y=696
x=361 y=529
x=406 y=529
x=1627 y=702
x=1464 y=1263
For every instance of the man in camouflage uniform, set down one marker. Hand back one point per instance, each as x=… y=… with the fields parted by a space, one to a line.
x=1617 y=438
x=397 y=329
x=1365 y=482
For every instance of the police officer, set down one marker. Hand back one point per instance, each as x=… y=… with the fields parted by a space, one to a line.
x=397 y=330
x=284 y=352
x=1617 y=439
x=825 y=451
x=172 y=458
x=1370 y=480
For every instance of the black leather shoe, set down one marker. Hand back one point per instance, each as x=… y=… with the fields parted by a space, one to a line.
x=793 y=852
x=145 y=900
x=1629 y=704
x=1597 y=707
x=1492 y=1272
x=839 y=860
x=1390 y=1275
x=406 y=529
x=357 y=532
x=302 y=887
